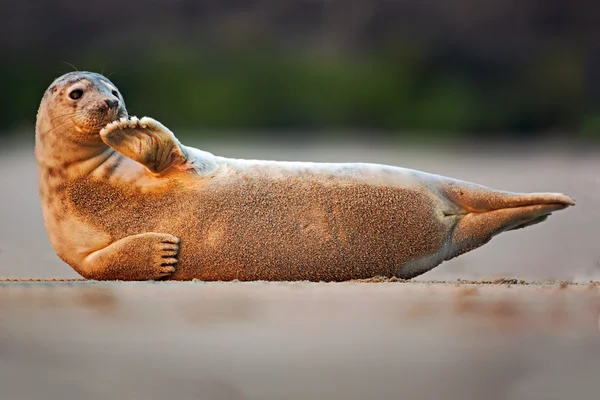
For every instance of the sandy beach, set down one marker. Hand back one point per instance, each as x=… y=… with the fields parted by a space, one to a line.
x=74 y=340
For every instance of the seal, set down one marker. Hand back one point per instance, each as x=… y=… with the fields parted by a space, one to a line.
x=123 y=199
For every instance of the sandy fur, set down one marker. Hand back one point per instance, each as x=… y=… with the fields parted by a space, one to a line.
x=250 y=225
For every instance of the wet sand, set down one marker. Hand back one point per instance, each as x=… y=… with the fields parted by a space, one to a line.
x=379 y=339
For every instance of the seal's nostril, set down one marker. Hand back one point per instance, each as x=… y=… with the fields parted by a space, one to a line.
x=112 y=104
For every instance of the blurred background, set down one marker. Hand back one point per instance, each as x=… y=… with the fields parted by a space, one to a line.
x=305 y=69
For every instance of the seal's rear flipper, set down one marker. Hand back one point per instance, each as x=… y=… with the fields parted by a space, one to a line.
x=473 y=230
x=484 y=213
x=477 y=198
x=532 y=222
x=146 y=141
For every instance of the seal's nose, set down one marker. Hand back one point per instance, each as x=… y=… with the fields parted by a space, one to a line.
x=112 y=104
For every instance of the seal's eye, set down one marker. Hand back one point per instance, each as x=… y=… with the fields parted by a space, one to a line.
x=115 y=93
x=76 y=94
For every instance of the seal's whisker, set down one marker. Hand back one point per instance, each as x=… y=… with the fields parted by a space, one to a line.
x=66 y=115
x=95 y=123
x=71 y=65
x=56 y=126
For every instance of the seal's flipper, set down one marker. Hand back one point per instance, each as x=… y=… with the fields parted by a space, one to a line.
x=477 y=198
x=484 y=213
x=146 y=141
x=147 y=256
x=476 y=229
x=534 y=221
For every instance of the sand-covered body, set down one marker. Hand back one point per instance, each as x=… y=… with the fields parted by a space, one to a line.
x=252 y=220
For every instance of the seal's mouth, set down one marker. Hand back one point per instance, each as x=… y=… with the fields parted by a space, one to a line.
x=91 y=123
x=114 y=110
x=120 y=113
x=112 y=115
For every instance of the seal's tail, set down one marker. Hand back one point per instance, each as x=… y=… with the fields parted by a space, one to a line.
x=484 y=213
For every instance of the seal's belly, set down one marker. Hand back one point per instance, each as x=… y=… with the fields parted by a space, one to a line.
x=282 y=229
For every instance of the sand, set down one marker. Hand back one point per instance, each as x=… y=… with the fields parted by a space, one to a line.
x=523 y=334
x=74 y=340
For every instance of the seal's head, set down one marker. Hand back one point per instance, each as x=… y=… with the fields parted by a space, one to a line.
x=77 y=106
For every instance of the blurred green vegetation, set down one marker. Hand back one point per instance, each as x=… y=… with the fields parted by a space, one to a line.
x=403 y=91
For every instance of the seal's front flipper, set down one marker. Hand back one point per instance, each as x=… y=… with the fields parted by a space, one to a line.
x=146 y=141
x=147 y=256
